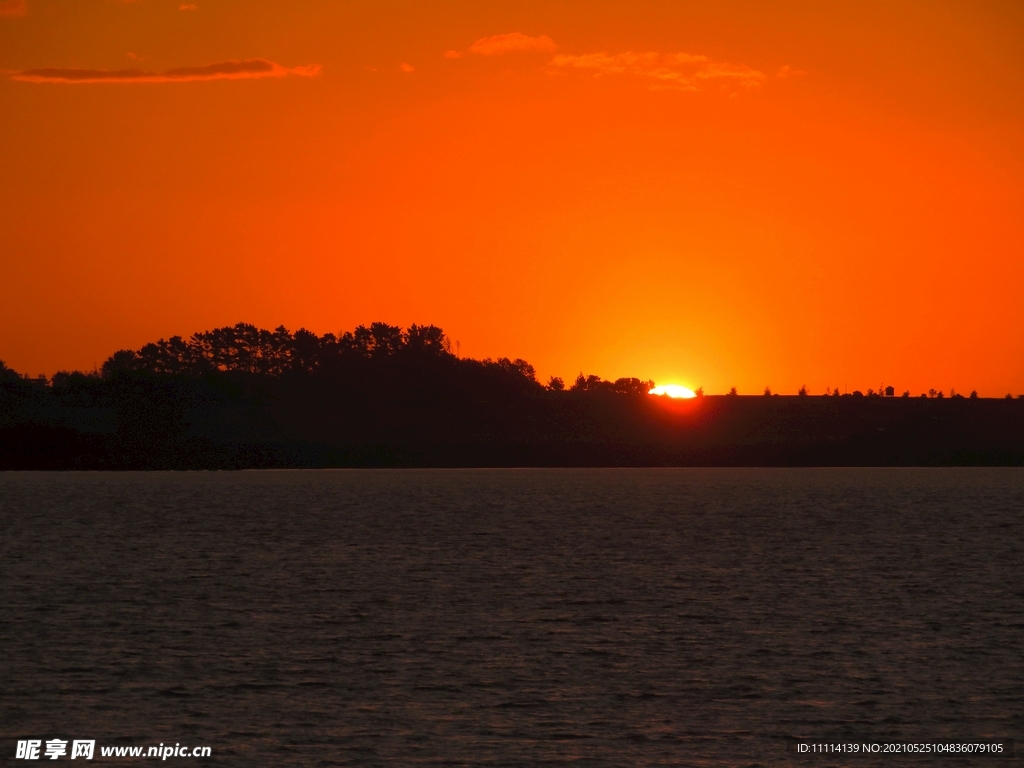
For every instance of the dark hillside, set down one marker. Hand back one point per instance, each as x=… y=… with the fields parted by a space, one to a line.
x=380 y=396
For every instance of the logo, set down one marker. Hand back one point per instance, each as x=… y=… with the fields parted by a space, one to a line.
x=28 y=749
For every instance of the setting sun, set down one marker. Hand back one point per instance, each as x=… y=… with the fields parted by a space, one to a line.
x=672 y=390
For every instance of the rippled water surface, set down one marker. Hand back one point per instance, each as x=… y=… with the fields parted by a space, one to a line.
x=512 y=617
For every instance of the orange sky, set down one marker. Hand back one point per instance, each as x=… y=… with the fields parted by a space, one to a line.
x=718 y=194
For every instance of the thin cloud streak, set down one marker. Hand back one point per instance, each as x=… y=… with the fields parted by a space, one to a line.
x=12 y=8
x=677 y=71
x=683 y=71
x=510 y=43
x=249 y=69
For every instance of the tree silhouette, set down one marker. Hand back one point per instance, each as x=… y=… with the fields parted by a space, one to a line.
x=589 y=383
x=248 y=349
x=427 y=339
x=518 y=366
x=8 y=375
x=632 y=386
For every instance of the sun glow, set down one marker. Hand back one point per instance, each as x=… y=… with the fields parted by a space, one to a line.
x=672 y=390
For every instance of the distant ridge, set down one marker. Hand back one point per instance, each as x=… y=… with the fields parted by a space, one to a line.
x=245 y=397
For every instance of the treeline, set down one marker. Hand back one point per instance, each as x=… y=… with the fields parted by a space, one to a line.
x=379 y=395
x=246 y=348
x=245 y=396
x=372 y=350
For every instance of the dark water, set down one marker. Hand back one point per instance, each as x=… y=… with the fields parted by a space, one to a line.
x=512 y=617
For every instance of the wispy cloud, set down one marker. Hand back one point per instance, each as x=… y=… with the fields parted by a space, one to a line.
x=679 y=71
x=788 y=71
x=248 y=69
x=682 y=71
x=510 y=43
x=188 y=7
x=13 y=7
